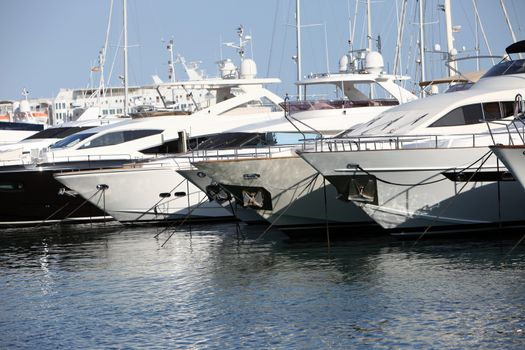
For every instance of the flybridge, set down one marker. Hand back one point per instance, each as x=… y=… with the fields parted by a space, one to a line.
x=218 y=83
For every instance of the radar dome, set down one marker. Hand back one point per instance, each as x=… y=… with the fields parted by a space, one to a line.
x=343 y=64
x=24 y=106
x=374 y=62
x=227 y=69
x=248 y=69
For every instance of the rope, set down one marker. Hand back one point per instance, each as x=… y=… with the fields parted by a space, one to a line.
x=158 y=202
x=423 y=183
x=514 y=247
x=451 y=202
x=326 y=214
x=181 y=223
x=288 y=206
x=81 y=205
x=50 y=216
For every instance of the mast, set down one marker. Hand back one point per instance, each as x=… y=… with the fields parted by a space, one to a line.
x=369 y=25
x=450 y=40
x=102 y=56
x=422 y=39
x=508 y=23
x=298 y=39
x=171 y=64
x=125 y=59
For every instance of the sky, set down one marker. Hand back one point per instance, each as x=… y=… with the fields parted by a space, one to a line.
x=53 y=44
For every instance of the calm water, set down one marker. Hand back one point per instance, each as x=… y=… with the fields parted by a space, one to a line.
x=215 y=289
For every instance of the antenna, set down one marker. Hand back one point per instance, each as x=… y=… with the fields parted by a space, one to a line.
x=171 y=63
x=243 y=40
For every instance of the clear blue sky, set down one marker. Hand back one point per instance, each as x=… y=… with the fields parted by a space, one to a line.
x=48 y=45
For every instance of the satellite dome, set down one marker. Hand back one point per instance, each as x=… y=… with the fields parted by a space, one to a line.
x=374 y=62
x=24 y=106
x=227 y=69
x=248 y=69
x=343 y=64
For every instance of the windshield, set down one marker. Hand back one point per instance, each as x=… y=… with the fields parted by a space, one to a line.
x=71 y=140
x=57 y=133
x=505 y=68
x=239 y=139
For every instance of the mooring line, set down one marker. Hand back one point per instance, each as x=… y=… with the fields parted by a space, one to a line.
x=185 y=218
x=288 y=206
x=183 y=221
x=422 y=183
x=514 y=247
x=158 y=202
x=50 y=216
x=326 y=214
x=81 y=205
x=455 y=197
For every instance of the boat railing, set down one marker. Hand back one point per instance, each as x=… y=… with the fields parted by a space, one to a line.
x=51 y=159
x=376 y=143
x=241 y=153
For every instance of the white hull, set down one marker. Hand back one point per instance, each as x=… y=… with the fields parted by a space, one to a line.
x=410 y=191
x=202 y=181
x=294 y=193
x=141 y=194
x=513 y=157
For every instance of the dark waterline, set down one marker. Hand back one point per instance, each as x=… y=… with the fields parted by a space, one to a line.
x=216 y=288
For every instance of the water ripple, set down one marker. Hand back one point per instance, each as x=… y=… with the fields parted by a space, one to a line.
x=211 y=288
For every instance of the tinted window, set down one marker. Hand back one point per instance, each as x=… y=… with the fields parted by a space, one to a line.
x=117 y=137
x=57 y=133
x=71 y=140
x=491 y=111
x=21 y=126
x=173 y=146
x=507 y=109
x=506 y=67
x=470 y=114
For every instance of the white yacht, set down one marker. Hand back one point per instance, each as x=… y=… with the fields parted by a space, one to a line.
x=425 y=166
x=285 y=185
x=309 y=119
x=236 y=98
x=30 y=149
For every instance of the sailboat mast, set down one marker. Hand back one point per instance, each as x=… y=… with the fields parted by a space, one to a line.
x=508 y=23
x=422 y=39
x=369 y=24
x=298 y=39
x=450 y=40
x=125 y=59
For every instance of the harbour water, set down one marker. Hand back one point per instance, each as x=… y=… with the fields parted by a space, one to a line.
x=218 y=287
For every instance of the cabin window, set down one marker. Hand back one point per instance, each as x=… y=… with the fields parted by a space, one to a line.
x=118 y=137
x=507 y=109
x=491 y=111
x=173 y=146
x=476 y=113
x=470 y=114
